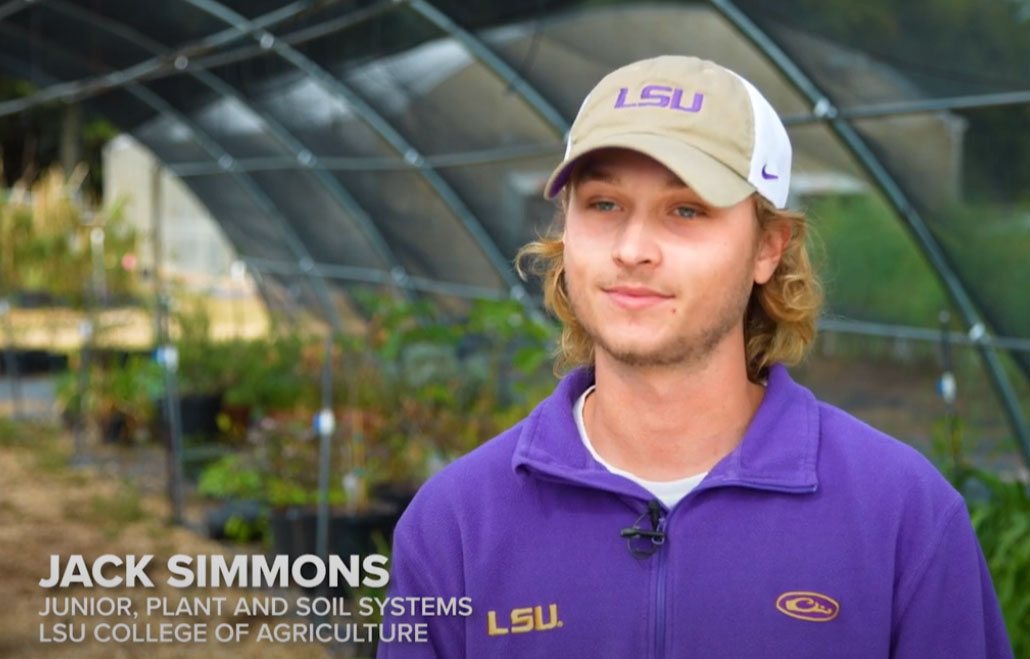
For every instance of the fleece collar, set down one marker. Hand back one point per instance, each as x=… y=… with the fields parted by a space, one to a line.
x=778 y=451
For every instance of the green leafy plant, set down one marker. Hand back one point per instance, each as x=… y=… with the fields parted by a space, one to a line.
x=860 y=234
x=46 y=245
x=1002 y=523
x=201 y=367
x=119 y=398
x=280 y=471
x=271 y=375
x=231 y=477
x=128 y=392
x=417 y=388
x=1000 y=513
x=239 y=529
x=421 y=387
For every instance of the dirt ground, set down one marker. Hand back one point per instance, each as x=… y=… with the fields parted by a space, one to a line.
x=48 y=507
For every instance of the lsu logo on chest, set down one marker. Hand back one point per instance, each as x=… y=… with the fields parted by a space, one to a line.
x=522 y=620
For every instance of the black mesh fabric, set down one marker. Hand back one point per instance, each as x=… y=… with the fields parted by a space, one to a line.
x=347 y=111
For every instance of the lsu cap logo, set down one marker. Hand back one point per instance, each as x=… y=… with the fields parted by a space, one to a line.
x=806 y=605
x=710 y=126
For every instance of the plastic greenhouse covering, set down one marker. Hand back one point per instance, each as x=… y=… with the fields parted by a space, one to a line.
x=404 y=145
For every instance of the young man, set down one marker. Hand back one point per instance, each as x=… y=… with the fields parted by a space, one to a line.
x=678 y=495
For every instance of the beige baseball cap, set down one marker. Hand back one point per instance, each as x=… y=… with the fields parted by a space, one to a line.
x=707 y=124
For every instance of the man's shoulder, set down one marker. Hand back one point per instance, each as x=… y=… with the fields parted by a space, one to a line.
x=473 y=476
x=488 y=461
x=856 y=454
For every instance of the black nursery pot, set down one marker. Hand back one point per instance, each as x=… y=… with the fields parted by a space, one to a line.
x=398 y=495
x=198 y=413
x=294 y=530
x=31 y=362
x=216 y=519
x=112 y=427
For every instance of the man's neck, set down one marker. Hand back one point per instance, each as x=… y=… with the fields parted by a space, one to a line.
x=671 y=422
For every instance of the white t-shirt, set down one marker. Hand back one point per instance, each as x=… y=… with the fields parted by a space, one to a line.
x=668 y=492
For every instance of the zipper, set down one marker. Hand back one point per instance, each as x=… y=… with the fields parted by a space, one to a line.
x=658 y=521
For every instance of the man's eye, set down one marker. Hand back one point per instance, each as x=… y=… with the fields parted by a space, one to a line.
x=687 y=211
x=603 y=205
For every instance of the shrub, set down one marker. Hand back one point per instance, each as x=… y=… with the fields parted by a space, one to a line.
x=1002 y=523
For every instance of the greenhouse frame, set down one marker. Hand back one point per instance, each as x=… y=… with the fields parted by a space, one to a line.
x=374 y=167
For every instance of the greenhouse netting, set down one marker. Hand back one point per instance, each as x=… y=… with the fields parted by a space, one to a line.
x=378 y=165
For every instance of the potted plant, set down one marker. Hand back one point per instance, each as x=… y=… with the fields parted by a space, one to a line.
x=269 y=377
x=235 y=481
x=47 y=245
x=200 y=372
x=125 y=398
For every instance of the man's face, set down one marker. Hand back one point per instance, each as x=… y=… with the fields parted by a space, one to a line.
x=655 y=275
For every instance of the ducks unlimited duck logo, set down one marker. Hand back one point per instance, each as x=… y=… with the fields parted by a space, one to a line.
x=806 y=605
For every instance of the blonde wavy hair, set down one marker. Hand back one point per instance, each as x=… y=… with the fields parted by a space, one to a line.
x=781 y=314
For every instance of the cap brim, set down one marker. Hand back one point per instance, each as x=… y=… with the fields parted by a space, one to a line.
x=713 y=181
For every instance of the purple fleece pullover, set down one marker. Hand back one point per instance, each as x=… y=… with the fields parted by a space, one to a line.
x=818 y=536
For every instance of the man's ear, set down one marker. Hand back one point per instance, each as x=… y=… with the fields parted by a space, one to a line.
x=772 y=243
x=565 y=200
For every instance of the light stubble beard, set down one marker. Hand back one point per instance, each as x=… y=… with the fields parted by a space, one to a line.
x=691 y=350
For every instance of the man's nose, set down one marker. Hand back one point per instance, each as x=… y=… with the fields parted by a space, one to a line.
x=636 y=242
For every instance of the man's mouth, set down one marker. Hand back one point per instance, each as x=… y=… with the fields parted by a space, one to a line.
x=635 y=297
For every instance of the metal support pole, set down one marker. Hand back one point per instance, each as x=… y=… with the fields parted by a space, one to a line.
x=325 y=425
x=86 y=331
x=156 y=247
x=946 y=388
x=300 y=155
x=168 y=356
x=10 y=360
x=165 y=353
x=71 y=138
x=377 y=122
x=237 y=279
x=79 y=90
x=12 y=7
x=96 y=241
x=492 y=156
x=493 y=63
x=253 y=190
x=921 y=106
x=910 y=217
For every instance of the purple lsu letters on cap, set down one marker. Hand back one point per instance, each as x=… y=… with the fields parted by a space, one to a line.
x=707 y=124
